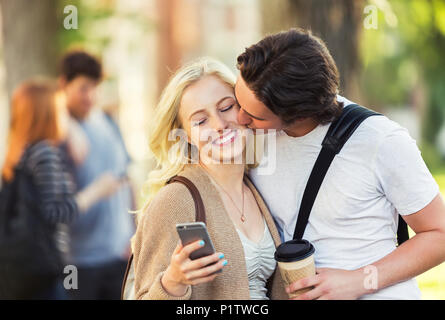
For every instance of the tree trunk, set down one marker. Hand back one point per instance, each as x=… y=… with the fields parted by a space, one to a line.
x=29 y=30
x=29 y=48
x=337 y=22
x=169 y=51
x=179 y=36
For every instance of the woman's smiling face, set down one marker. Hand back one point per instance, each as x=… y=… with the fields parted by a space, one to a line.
x=208 y=113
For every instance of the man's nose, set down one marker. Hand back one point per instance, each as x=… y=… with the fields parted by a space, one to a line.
x=243 y=118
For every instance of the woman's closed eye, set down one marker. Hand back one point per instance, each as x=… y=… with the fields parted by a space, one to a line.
x=227 y=108
x=200 y=122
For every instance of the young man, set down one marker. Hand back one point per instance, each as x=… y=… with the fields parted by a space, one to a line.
x=100 y=238
x=289 y=82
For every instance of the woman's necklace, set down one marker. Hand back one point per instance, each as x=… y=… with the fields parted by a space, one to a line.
x=243 y=217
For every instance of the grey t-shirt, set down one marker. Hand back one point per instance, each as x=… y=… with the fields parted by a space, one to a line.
x=103 y=233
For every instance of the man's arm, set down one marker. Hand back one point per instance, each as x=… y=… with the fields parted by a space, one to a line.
x=407 y=184
x=420 y=253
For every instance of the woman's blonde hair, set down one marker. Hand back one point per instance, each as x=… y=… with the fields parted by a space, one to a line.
x=165 y=121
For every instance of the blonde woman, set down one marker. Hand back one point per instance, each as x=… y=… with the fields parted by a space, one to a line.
x=200 y=101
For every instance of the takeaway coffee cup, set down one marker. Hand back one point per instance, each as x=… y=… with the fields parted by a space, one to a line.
x=295 y=260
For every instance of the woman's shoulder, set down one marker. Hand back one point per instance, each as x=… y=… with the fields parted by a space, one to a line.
x=173 y=202
x=42 y=148
x=42 y=151
x=173 y=193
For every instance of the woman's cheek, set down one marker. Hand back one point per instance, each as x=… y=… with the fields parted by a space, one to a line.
x=200 y=136
x=194 y=136
x=234 y=114
x=206 y=137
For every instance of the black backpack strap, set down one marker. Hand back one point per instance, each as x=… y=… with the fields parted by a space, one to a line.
x=338 y=133
x=402 y=231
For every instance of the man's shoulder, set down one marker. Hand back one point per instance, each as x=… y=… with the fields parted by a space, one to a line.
x=99 y=124
x=96 y=118
x=381 y=126
x=377 y=127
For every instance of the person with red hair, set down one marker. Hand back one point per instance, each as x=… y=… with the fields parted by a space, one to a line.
x=39 y=124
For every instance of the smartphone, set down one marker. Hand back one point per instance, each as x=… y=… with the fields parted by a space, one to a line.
x=194 y=231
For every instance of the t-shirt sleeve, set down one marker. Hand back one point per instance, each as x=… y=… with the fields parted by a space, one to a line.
x=403 y=176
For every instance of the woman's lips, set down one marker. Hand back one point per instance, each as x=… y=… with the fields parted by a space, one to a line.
x=227 y=138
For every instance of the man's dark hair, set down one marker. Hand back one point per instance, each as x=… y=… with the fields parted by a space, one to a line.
x=294 y=75
x=80 y=63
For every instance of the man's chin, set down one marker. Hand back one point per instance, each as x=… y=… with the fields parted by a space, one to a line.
x=84 y=114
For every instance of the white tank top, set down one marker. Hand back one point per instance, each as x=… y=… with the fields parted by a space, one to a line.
x=260 y=262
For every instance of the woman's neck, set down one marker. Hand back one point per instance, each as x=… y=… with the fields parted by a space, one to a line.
x=227 y=176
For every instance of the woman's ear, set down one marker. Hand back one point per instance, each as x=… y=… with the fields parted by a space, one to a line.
x=62 y=82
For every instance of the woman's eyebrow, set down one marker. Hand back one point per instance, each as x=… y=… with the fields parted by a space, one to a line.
x=197 y=111
x=222 y=99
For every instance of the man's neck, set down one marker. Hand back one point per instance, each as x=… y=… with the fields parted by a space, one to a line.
x=77 y=117
x=301 y=128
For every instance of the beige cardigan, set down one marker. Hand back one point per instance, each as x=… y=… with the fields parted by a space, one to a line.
x=156 y=239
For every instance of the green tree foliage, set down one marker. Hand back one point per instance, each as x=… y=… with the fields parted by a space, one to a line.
x=406 y=53
x=91 y=33
x=97 y=21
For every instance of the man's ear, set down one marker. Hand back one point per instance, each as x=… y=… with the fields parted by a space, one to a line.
x=62 y=82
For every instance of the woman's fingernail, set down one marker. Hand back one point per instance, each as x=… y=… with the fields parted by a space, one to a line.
x=221 y=256
x=201 y=243
x=225 y=262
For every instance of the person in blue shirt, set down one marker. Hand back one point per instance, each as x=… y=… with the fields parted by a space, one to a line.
x=100 y=239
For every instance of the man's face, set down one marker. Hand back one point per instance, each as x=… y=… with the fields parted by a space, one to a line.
x=253 y=113
x=80 y=95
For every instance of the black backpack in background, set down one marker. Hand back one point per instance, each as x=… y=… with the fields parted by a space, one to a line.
x=29 y=257
x=339 y=132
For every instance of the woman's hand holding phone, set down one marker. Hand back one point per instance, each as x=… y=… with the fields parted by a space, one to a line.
x=183 y=271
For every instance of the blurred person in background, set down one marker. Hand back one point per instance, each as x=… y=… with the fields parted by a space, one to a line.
x=39 y=124
x=100 y=239
x=109 y=98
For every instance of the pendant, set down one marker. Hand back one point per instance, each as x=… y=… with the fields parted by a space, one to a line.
x=243 y=218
